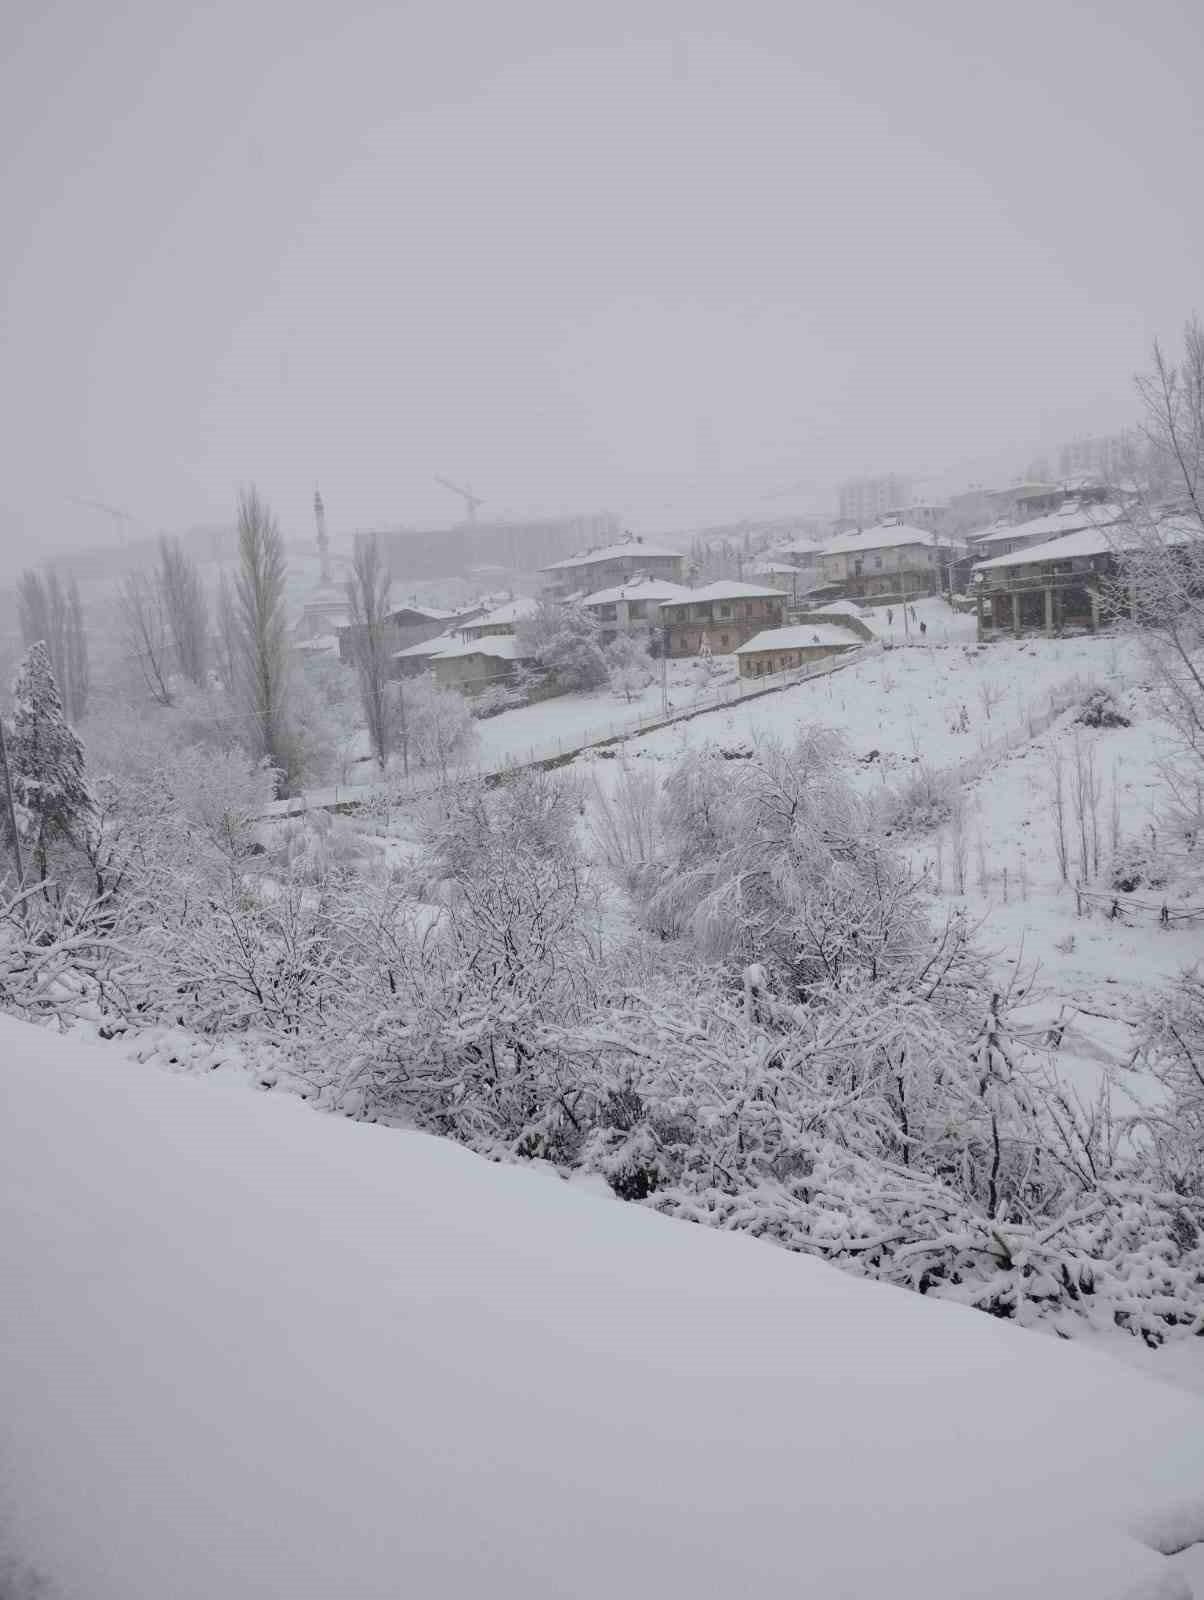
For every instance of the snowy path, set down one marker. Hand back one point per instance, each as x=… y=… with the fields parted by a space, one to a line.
x=254 y=1351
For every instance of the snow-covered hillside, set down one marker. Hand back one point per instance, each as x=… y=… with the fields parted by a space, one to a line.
x=255 y=1352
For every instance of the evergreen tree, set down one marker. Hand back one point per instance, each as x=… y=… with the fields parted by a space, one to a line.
x=46 y=760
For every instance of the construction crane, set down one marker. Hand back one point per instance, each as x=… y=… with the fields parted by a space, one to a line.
x=471 y=501
x=121 y=518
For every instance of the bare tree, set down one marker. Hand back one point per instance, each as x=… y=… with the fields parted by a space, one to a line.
x=147 y=637
x=368 y=596
x=226 y=637
x=185 y=609
x=1057 y=804
x=52 y=613
x=1160 y=548
x=262 y=660
x=79 y=675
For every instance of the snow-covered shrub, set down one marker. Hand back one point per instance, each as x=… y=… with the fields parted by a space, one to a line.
x=495 y=698
x=563 y=639
x=777 y=860
x=630 y=666
x=1173 y=1045
x=925 y=800
x=435 y=725
x=1136 y=864
x=1099 y=710
x=623 y=823
x=61 y=954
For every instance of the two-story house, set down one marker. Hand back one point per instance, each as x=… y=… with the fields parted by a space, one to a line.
x=1003 y=539
x=890 y=559
x=633 y=607
x=609 y=565
x=722 y=615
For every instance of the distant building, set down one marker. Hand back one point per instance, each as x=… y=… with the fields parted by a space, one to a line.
x=409 y=625
x=722 y=616
x=864 y=501
x=611 y=564
x=415 y=555
x=1105 y=456
x=326 y=610
x=929 y=514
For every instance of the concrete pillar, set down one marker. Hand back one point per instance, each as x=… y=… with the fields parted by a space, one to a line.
x=1049 y=609
x=1015 y=611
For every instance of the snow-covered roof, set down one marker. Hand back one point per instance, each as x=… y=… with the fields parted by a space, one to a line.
x=502 y=645
x=612 y=552
x=799 y=547
x=431 y=613
x=1067 y=519
x=1094 y=541
x=769 y=569
x=727 y=589
x=995 y=527
x=428 y=647
x=504 y=616
x=641 y=589
x=887 y=536
x=800 y=637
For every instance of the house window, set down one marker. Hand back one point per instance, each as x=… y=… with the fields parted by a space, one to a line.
x=723 y=641
x=725 y=611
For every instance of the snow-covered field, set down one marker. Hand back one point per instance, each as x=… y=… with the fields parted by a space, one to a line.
x=255 y=1352
x=907 y=704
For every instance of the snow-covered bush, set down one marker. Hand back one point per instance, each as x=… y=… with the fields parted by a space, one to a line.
x=925 y=800
x=629 y=664
x=563 y=639
x=1173 y=1045
x=495 y=698
x=61 y=954
x=777 y=860
x=1100 y=710
x=1136 y=864
x=434 y=725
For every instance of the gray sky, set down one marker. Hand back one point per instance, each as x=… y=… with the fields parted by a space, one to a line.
x=635 y=253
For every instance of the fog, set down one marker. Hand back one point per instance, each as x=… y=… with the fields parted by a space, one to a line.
x=670 y=259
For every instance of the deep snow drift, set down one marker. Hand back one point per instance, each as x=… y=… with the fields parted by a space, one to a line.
x=252 y=1351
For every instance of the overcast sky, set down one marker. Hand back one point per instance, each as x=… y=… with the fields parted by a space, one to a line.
x=631 y=253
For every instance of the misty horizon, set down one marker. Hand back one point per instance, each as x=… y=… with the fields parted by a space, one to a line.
x=647 y=261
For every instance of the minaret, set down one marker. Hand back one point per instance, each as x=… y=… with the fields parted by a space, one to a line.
x=323 y=541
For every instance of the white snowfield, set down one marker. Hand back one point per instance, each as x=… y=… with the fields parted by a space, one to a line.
x=252 y=1352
